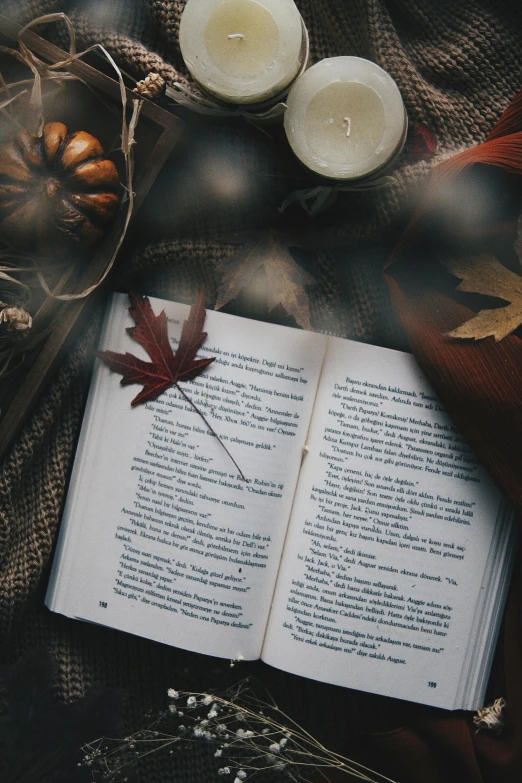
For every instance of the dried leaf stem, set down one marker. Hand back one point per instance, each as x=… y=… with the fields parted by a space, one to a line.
x=211 y=428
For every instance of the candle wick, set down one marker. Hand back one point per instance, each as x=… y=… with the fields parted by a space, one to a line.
x=347 y=121
x=236 y=35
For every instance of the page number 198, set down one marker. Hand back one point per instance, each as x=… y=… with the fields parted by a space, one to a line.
x=103 y=604
x=432 y=685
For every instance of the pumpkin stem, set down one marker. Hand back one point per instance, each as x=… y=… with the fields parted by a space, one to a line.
x=52 y=187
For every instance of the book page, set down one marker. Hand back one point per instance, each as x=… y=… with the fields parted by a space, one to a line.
x=161 y=536
x=390 y=532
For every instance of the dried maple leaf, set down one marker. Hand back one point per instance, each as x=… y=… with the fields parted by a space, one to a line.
x=486 y=275
x=285 y=279
x=422 y=142
x=166 y=368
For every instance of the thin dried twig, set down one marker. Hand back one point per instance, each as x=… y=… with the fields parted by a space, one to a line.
x=249 y=735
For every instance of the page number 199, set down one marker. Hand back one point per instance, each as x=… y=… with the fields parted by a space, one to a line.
x=432 y=685
x=103 y=604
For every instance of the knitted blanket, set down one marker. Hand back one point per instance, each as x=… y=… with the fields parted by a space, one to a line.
x=457 y=65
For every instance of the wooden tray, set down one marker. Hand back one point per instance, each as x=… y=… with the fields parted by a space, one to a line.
x=156 y=135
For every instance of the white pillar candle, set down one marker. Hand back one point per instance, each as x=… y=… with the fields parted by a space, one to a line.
x=345 y=118
x=243 y=51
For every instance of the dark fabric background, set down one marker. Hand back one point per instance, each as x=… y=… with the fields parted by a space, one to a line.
x=457 y=64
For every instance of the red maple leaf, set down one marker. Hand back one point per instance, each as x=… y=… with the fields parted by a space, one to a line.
x=166 y=367
x=422 y=142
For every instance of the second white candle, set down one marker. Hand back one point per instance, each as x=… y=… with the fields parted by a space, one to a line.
x=345 y=118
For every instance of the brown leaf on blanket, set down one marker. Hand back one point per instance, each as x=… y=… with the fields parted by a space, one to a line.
x=285 y=280
x=486 y=275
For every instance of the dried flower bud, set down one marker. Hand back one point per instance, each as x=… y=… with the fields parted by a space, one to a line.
x=490 y=718
x=152 y=87
x=16 y=319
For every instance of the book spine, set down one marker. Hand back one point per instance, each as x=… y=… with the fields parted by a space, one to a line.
x=489 y=611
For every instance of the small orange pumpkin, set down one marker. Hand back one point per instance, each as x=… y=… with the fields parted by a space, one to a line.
x=57 y=191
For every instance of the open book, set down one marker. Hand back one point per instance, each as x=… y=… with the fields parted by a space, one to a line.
x=368 y=549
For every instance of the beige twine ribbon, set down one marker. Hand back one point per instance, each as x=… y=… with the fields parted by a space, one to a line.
x=43 y=71
x=203 y=105
x=315 y=200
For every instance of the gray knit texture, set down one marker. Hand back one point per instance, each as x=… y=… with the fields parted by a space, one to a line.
x=457 y=65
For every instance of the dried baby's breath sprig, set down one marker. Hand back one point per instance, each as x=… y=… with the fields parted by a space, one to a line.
x=17 y=320
x=249 y=735
x=491 y=718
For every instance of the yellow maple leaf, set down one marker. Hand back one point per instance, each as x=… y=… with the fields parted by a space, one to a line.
x=486 y=275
